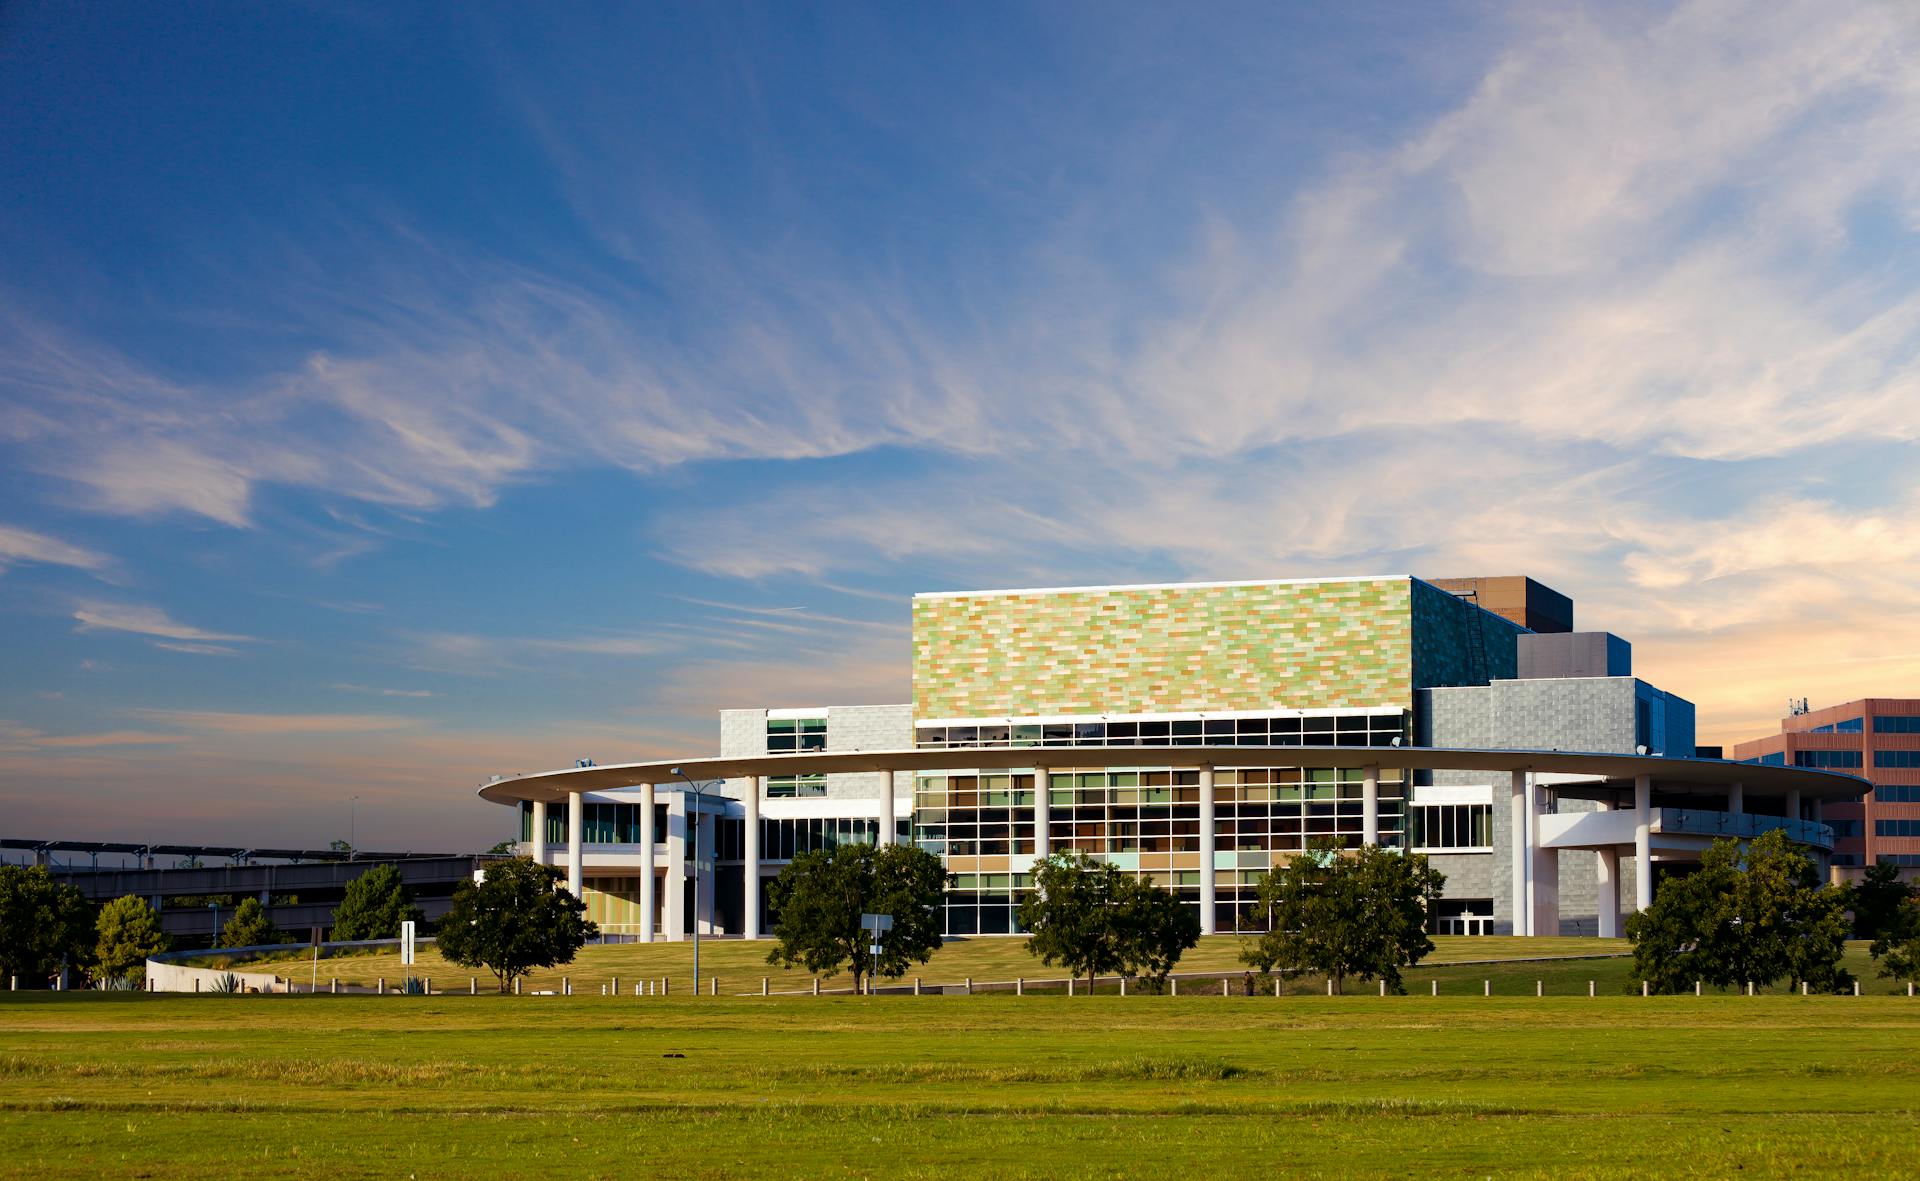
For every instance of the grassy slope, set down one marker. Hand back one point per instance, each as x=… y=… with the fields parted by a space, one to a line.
x=128 y=1085
x=740 y=965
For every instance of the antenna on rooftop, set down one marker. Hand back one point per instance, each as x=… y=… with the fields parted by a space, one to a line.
x=1796 y=708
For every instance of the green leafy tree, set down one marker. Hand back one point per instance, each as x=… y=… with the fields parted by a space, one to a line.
x=1094 y=919
x=374 y=905
x=249 y=927
x=502 y=847
x=817 y=901
x=1878 y=901
x=1897 y=949
x=515 y=919
x=1756 y=914
x=128 y=935
x=44 y=925
x=1363 y=914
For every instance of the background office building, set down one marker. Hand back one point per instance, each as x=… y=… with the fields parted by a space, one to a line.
x=1877 y=738
x=1373 y=663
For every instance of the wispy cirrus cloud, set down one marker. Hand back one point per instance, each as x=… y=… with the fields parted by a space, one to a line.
x=223 y=722
x=24 y=545
x=145 y=620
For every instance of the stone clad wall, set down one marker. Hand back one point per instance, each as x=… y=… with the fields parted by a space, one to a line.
x=1306 y=645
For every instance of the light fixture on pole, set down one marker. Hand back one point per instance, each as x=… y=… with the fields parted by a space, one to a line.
x=694 y=812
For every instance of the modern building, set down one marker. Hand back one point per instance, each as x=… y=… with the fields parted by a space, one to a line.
x=1877 y=738
x=1196 y=734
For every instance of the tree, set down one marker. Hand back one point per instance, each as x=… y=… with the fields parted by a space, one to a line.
x=1361 y=915
x=1094 y=919
x=502 y=847
x=817 y=901
x=1878 y=900
x=515 y=919
x=1897 y=947
x=1756 y=914
x=44 y=925
x=374 y=905
x=129 y=934
x=249 y=927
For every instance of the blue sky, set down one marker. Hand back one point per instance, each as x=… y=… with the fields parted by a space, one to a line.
x=387 y=400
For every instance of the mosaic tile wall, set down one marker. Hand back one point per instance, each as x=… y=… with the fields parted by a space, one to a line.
x=1287 y=645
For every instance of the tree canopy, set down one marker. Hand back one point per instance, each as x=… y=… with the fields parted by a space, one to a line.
x=128 y=933
x=1756 y=914
x=1095 y=919
x=1878 y=901
x=250 y=926
x=515 y=919
x=44 y=925
x=374 y=905
x=817 y=901
x=1896 y=945
x=1360 y=914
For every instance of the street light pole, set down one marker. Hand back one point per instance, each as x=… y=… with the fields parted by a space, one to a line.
x=698 y=793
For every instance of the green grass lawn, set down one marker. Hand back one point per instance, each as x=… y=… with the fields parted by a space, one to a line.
x=130 y=1085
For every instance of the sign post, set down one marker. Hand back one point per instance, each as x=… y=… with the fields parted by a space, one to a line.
x=874 y=924
x=406 y=943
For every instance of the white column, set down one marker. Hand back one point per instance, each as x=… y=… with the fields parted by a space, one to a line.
x=1608 y=881
x=1370 y=807
x=706 y=907
x=750 y=856
x=1736 y=798
x=1642 y=841
x=1793 y=804
x=1517 y=813
x=1208 y=874
x=537 y=848
x=1040 y=787
x=1609 y=884
x=674 y=919
x=648 y=838
x=1813 y=807
x=576 y=823
x=888 y=821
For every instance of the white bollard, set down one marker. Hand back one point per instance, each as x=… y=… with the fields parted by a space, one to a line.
x=969 y=986
x=1223 y=987
x=1856 y=988
x=1539 y=988
x=612 y=989
x=1123 y=986
x=1590 y=990
x=1645 y=989
x=713 y=986
x=1069 y=986
x=1383 y=987
x=1019 y=986
x=763 y=986
x=333 y=985
x=1329 y=986
x=426 y=986
x=1697 y=985
x=816 y=986
x=381 y=988
x=516 y=986
x=566 y=986
x=666 y=986
x=1436 y=988
x=1486 y=988
x=473 y=986
x=1803 y=988
x=1176 y=986
x=1749 y=988
x=916 y=986
x=1909 y=988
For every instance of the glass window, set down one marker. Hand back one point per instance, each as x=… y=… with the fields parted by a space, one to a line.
x=1897 y=724
x=1897 y=793
x=1896 y=758
x=1896 y=828
x=1829 y=759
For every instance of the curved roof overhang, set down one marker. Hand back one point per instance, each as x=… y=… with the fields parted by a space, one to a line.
x=1757 y=779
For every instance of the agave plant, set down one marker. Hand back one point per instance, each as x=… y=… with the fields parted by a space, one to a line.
x=226 y=983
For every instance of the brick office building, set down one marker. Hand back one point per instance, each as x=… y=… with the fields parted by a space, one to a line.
x=1877 y=738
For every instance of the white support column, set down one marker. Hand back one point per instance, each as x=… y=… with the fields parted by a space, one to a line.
x=706 y=904
x=1208 y=873
x=537 y=847
x=1736 y=798
x=1793 y=804
x=1520 y=829
x=1543 y=869
x=1370 y=807
x=1608 y=883
x=648 y=838
x=889 y=822
x=1813 y=810
x=673 y=920
x=1041 y=785
x=750 y=858
x=576 y=824
x=1642 y=842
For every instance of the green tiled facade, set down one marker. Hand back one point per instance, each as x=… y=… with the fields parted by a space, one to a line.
x=1287 y=645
